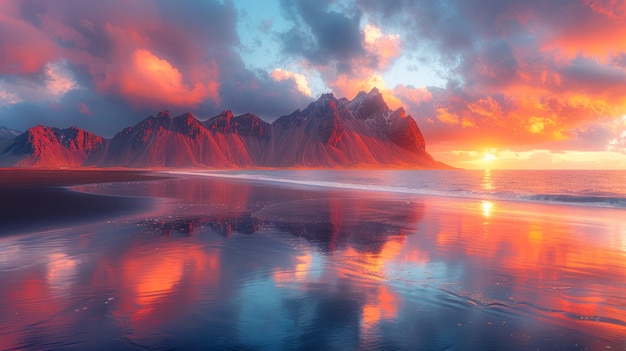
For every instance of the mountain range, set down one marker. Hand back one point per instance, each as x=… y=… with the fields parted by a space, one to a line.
x=329 y=133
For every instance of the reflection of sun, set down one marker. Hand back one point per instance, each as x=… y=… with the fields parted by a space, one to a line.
x=487 y=207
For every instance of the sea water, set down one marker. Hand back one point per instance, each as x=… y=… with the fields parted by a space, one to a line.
x=330 y=260
x=574 y=187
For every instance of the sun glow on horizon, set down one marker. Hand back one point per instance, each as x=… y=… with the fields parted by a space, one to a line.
x=489 y=157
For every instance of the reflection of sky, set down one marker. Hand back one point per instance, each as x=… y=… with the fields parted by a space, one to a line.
x=61 y=271
x=435 y=281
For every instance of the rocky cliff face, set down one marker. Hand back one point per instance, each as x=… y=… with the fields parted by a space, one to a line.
x=334 y=132
x=181 y=141
x=52 y=147
x=330 y=132
x=247 y=125
x=8 y=133
x=7 y=136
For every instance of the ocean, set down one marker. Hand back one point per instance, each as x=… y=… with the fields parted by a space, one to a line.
x=581 y=188
x=328 y=260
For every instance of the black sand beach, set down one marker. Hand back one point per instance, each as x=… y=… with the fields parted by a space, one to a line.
x=39 y=199
x=233 y=264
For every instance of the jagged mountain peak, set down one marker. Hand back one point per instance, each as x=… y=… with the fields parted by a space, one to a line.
x=187 y=118
x=329 y=132
x=8 y=133
x=327 y=106
x=365 y=106
x=43 y=146
x=163 y=114
x=247 y=124
x=327 y=97
x=400 y=113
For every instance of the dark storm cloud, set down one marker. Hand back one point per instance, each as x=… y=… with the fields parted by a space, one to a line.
x=322 y=35
x=591 y=76
x=122 y=61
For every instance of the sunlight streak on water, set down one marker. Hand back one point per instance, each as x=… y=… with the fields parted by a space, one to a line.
x=487 y=207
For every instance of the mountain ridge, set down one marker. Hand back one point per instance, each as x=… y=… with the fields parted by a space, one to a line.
x=328 y=133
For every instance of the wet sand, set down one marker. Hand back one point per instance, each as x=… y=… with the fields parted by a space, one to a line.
x=34 y=200
x=228 y=264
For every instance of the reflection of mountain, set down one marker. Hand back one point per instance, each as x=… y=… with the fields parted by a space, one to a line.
x=329 y=132
x=467 y=277
x=224 y=224
x=364 y=223
x=330 y=219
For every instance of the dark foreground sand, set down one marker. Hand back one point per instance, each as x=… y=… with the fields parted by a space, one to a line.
x=33 y=200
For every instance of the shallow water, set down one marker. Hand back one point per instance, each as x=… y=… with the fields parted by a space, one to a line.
x=580 y=187
x=239 y=265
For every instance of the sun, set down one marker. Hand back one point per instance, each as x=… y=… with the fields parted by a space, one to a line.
x=489 y=157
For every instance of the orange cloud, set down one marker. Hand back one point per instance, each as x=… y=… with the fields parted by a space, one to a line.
x=149 y=78
x=446 y=117
x=385 y=47
x=413 y=95
x=599 y=34
x=299 y=79
x=613 y=9
x=380 y=52
x=348 y=86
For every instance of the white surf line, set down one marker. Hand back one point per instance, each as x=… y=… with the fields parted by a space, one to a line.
x=325 y=184
x=387 y=189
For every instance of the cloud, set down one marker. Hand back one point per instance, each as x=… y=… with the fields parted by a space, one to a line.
x=83 y=108
x=148 y=79
x=321 y=35
x=516 y=72
x=349 y=56
x=116 y=62
x=533 y=158
x=58 y=79
x=25 y=48
x=300 y=80
x=519 y=72
x=382 y=48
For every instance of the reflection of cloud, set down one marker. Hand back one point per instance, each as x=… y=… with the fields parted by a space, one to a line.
x=151 y=276
x=383 y=305
x=61 y=271
x=299 y=272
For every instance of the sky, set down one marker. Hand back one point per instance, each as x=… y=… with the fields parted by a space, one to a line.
x=517 y=84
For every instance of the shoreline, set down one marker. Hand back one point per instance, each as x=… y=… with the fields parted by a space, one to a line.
x=475 y=267
x=41 y=199
x=548 y=199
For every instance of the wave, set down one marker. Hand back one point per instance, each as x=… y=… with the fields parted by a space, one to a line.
x=599 y=201
x=588 y=199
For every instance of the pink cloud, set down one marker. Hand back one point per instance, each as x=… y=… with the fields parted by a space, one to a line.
x=83 y=109
x=383 y=47
x=300 y=80
x=25 y=48
x=381 y=50
x=147 y=78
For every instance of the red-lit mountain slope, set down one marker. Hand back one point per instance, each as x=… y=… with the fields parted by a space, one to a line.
x=329 y=132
